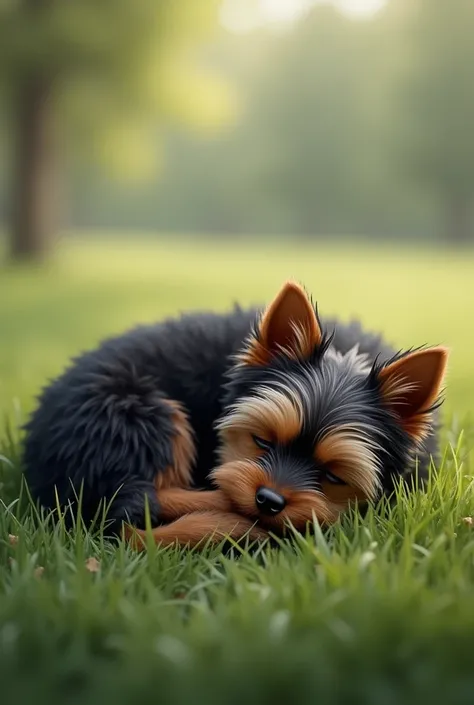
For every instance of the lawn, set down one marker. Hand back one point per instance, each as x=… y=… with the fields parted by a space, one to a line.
x=379 y=611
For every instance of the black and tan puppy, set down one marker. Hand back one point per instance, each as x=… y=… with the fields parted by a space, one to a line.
x=223 y=422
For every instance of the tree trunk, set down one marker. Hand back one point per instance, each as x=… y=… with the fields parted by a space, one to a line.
x=459 y=221
x=34 y=197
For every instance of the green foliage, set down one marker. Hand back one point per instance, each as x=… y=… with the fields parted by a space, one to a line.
x=117 y=67
x=318 y=122
x=440 y=99
x=341 y=126
x=316 y=150
x=379 y=610
x=98 y=286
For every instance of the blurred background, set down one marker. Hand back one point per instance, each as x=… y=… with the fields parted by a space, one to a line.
x=159 y=156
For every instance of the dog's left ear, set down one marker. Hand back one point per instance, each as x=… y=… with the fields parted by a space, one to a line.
x=289 y=326
x=411 y=385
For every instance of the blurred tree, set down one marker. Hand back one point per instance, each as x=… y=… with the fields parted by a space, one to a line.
x=439 y=110
x=318 y=118
x=311 y=154
x=95 y=74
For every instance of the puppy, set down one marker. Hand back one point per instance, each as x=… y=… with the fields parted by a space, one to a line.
x=234 y=424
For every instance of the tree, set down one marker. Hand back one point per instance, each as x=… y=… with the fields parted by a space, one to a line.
x=95 y=74
x=439 y=110
x=317 y=114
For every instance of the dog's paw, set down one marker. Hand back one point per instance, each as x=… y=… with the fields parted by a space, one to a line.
x=197 y=528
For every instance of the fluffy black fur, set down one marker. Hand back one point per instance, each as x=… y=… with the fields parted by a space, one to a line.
x=104 y=424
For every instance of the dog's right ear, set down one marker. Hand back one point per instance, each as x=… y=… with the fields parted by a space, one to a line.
x=288 y=327
x=411 y=385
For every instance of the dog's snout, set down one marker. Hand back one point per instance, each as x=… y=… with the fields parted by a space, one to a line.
x=269 y=502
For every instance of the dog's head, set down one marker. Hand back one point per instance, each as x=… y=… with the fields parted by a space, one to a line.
x=306 y=431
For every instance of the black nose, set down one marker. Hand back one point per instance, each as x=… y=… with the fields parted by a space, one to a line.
x=269 y=502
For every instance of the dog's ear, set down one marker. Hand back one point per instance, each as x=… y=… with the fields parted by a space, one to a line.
x=411 y=385
x=289 y=326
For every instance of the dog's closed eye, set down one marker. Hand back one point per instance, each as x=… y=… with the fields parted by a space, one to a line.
x=262 y=443
x=333 y=479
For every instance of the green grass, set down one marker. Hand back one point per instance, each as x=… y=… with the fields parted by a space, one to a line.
x=379 y=611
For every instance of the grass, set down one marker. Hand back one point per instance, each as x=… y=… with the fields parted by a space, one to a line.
x=377 y=611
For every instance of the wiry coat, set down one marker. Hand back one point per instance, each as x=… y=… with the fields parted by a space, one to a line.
x=113 y=423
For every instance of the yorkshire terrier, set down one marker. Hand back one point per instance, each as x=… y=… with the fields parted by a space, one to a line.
x=237 y=424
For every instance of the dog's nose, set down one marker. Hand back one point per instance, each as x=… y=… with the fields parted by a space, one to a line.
x=269 y=502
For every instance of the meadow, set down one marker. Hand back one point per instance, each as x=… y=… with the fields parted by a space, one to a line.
x=379 y=610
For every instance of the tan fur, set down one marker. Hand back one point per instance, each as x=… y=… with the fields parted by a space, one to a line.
x=238 y=445
x=184 y=451
x=343 y=495
x=288 y=325
x=270 y=414
x=345 y=450
x=350 y=457
x=175 y=502
x=411 y=385
x=240 y=481
x=197 y=528
x=306 y=505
